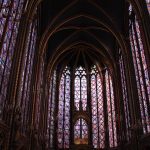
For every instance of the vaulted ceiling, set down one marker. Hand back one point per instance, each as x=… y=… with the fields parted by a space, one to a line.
x=82 y=29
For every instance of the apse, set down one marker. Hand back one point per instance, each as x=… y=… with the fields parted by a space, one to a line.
x=85 y=112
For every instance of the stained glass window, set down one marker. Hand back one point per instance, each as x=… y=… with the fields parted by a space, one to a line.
x=63 y=132
x=80 y=92
x=51 y=108
x=125 y=96
x=141 y=71
x=10 y=15
x=111 y=110
x=82 y=115
x=23 y=97
x=97 y=109
x=81 y=132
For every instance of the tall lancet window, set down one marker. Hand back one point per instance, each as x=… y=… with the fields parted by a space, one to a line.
x=63 y=132
x=111 y=110
x=25 y=83
x=125 y=97
x=10 y=15
x=51 y=110
x=141 y=70
x=97 y=109
x=80 y=92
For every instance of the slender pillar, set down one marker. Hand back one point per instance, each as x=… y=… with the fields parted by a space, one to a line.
x=71 y=107
x=89 y=106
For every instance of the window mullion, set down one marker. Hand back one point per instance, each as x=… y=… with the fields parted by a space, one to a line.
x=80 y=128
x=80 y=102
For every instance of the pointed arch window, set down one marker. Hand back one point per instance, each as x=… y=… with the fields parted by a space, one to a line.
x=63 y=132
x=141 y=70
x=111 y=110
x=80 y=92
x=74 y=125
x=98 y=127
x=98 y=109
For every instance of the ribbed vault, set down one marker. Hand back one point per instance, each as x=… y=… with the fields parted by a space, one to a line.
x=96 y=24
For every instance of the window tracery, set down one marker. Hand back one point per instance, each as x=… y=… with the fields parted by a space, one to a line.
x=63 y=132
x=81 y=126
x=97 y=109
x=80 y=89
